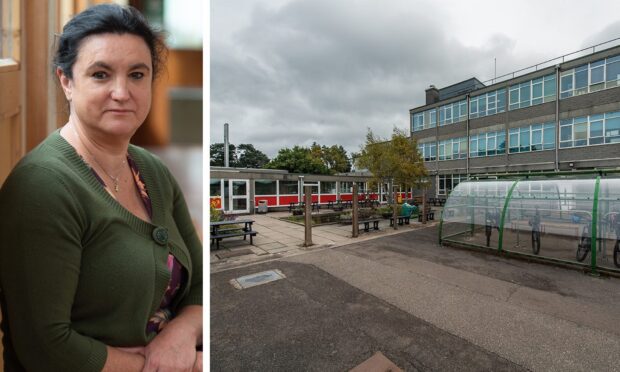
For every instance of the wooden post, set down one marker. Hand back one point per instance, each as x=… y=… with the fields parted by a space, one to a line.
x=354 y=214
x=424 y=205
x=308 y=215
x=394 y=206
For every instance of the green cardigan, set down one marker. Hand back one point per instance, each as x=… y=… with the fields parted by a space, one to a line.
x=77 y=270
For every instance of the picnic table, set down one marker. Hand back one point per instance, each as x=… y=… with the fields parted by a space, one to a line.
x=225 y=229
x=292 y=206
x=339 y=204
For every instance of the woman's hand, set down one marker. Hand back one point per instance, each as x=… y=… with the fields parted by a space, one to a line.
x=174 y=348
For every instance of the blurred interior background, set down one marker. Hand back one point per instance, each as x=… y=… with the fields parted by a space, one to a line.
x=32 y=104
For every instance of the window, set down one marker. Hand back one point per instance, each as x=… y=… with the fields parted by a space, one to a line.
x=566 y=84
x=215 y=188
x=453 y=113
x=346 y=187
x=266 y=187
x=590 y=130
x=535 y=137
x=424 y=120
x=593 y=76
x=11 y=74
x=612 y=127
x=328 y=187
x=487 y=104
x=289 y=187
x=454 y=148
x=447 y=182
x=183 y=24
x=532 y=92
x=487 y=144
x=612 y=75
x=428 y=151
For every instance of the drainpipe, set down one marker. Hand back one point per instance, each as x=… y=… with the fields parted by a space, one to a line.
x=557 y=117
x=467 y=134
x=435 y=194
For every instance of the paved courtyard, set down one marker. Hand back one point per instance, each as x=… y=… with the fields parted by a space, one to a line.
x=277 y=238
x=423 y=306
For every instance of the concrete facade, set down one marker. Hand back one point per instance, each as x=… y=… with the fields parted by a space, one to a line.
x=606 y=100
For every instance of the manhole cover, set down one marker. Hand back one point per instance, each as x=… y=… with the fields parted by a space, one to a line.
x=257 y=279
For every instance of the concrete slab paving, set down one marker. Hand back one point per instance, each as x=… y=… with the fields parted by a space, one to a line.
x=426 y=307
x=275 y=234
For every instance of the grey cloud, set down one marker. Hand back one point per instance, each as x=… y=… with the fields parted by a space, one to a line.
x=609 y=32
x=324 y=71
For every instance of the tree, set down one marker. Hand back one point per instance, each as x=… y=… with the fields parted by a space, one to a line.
x=335 y=159
x=298 y=160
x=244 y=156
x=217 y=155
x=397 y=159
x=249 y=157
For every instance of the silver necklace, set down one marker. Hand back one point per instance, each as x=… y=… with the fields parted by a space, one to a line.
x=114 y=179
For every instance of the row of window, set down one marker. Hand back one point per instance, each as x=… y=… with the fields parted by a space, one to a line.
x=453 y=113
x=487 y=104
x=535 y=137
x=487 y=144
x=580 y=131
x=453 y=148
x=590 y=130
x=532 y=92
x=447 y=182
x=271 y=187
x=590 y=77
x=428 y=150
x=424 y=120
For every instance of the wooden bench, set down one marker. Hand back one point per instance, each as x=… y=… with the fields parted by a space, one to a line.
x=401 y=220
x=375 y=224
x=219 y=230
x=429 y=216
x=336 y=207
x=219 y=236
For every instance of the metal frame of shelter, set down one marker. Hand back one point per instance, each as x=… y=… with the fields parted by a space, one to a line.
x=589 y=212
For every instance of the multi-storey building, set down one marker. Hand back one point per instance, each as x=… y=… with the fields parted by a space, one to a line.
x=562 y=117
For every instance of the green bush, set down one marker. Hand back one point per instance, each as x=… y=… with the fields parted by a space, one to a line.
x=216 y=214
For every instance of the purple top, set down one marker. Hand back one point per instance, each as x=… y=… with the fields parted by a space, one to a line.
x=177 y=273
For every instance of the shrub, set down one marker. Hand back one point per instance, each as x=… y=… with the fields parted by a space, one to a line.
x=215 y=214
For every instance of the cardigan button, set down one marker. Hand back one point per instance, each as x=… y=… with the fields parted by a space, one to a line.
x=160 y=235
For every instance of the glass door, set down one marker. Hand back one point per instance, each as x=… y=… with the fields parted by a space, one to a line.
x=236 y=193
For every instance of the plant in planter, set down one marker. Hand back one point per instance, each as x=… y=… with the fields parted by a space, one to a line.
x=385 y=211
x=298 y=211
x=346 y=217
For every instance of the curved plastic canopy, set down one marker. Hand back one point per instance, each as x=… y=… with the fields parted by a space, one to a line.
x=551 y=218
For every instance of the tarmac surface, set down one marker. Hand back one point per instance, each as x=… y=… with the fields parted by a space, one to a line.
x=424 y=306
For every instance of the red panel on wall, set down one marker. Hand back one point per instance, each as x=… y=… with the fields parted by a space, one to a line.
x=325 y=198
x=286 y=200
x=271 y=200
x=346 y=196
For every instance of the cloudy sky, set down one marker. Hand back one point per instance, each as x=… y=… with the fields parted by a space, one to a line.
x=293 y=72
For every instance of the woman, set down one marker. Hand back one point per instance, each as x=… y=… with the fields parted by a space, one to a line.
x=100 y=265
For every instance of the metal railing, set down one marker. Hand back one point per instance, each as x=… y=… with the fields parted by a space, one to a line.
x=553 y=61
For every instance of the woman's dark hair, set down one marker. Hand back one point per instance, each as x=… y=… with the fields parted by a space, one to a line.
x=102 y=19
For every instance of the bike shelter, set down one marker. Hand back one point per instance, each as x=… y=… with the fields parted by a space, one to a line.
x=550 y=216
